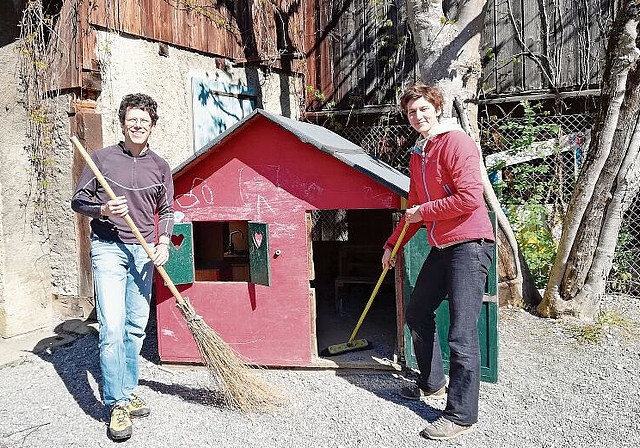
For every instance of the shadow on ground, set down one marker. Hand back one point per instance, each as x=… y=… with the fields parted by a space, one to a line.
x=74 y=355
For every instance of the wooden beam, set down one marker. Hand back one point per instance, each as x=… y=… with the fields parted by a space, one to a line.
x=535 y=96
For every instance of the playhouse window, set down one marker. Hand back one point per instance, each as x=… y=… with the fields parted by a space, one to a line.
x=220 y=251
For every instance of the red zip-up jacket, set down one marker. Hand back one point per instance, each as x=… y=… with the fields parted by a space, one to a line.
x=445 y=181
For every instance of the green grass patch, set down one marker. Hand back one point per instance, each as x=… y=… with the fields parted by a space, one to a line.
x=608 y=322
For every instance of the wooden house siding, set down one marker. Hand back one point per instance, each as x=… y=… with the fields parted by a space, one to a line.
x=269 y=33
x=354 y=53
x=360 y=52
x=526 y=48
x=348 y=49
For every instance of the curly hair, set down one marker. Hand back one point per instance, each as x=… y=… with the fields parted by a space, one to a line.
x=419 y=90
x=138 y=101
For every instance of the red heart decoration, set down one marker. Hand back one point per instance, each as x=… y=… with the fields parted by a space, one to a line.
x=177 y=240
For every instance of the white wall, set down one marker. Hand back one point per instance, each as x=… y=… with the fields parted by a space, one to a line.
x=131 y=65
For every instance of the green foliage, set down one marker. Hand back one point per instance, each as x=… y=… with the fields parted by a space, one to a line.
x=527 y=191
x=534 y=239
x=36 y=34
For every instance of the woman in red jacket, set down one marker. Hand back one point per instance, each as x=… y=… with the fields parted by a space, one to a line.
x=445 y=196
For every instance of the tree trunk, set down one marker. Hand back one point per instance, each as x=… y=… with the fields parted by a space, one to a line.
x=592 y=223
x=447 y=44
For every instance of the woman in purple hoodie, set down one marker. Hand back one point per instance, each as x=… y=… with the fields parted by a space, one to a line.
x=445 y=196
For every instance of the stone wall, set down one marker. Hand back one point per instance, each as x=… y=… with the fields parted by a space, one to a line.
x=25 y=272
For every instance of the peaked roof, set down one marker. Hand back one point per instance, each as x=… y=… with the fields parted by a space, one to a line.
x=326 y=141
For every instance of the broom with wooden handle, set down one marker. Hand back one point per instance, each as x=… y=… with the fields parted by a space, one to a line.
x=354 y=344
x=240 y=387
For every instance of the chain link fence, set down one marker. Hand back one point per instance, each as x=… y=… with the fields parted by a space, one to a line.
x=532 y=161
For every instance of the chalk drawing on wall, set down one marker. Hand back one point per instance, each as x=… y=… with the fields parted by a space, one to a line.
x=199 y=193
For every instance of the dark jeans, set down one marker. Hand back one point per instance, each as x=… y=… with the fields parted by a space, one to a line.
x=458 y=272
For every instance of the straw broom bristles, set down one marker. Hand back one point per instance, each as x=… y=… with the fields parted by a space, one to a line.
x=241 y=388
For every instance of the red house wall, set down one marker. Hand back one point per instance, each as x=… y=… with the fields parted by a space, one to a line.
x=261 y=173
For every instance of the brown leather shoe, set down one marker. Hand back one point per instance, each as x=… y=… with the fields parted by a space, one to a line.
x=443 y=429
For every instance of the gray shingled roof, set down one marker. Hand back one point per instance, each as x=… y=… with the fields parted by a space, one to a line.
x=326 y=141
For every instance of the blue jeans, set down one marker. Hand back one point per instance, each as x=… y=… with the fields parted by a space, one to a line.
x=458 y=272
x=122 y=276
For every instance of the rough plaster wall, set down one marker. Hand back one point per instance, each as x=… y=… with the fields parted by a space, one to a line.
x=25 y=276
x=63 y=259
x=131 y=65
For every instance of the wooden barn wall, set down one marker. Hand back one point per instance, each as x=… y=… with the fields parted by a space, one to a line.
x=269 y=33
x=356 y=60
x=533 y=44
x=359 y=52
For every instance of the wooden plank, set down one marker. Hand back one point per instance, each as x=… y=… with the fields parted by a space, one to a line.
x=503 y=47
x=87 y=126
x=146 y=18
x=65 y=66
x=164 y=16
x=488 y=50
x=566 y=42
x=130 y=16
x=533 y=39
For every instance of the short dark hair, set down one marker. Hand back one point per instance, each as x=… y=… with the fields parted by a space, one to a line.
x=419 y=90
x=138 y=101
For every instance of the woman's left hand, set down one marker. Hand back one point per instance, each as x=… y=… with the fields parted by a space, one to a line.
x=413 y=214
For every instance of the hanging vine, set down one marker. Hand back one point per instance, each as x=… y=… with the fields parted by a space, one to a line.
x=37 y=30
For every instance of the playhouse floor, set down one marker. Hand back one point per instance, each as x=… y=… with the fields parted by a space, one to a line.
x=378 y=327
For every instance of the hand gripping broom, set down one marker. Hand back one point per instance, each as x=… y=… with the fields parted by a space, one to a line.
x=240 y=387
x=354 y=344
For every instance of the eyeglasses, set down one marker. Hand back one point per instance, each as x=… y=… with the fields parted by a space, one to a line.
x=141 y=121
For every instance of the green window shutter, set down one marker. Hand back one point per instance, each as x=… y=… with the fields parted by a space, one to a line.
x=180 y=265
x=259 y=259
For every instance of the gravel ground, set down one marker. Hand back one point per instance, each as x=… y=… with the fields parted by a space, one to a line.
x=553 y=391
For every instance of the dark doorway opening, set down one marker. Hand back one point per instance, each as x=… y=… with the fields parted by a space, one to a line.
x=347 y=252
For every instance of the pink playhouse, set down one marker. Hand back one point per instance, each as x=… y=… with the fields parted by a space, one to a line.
x=278 y=222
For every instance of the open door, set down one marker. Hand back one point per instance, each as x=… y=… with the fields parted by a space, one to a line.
x=413 y=256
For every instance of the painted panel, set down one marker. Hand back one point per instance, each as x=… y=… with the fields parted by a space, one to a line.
x=180 y=265
x=216 y=107
x=259 y=266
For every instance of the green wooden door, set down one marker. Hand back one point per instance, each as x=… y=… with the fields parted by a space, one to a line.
x=180 y=265
x=259 y=256
x=413 y=256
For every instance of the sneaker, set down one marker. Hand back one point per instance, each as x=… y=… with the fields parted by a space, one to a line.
x=137 y=407
x=413 y=392
x=443 y=429
x=120 y=426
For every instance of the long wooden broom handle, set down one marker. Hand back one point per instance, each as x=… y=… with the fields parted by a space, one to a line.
x=380 y=280
x=127 y=218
